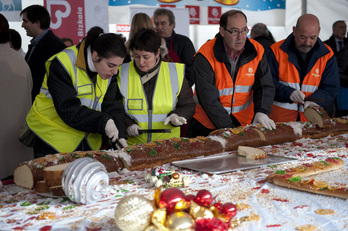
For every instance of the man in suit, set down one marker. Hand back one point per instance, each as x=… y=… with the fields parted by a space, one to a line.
x=36 y=22
x=338 y=38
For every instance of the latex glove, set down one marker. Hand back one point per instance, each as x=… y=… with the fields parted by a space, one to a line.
x=297 y=96
x=309 y=104
x=111 y=130
x=175 y=120
x=133 y=130
x=123 y=142
x=263 y=119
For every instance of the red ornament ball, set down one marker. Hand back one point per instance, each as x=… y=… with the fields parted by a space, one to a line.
x=218 y=205
x=229 y=209
x=190 y=197
x=169 y=198
x=204 y=198
x=210 y=224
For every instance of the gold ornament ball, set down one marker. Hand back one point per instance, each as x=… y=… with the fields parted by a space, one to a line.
x=133 y=213
x=180 y=221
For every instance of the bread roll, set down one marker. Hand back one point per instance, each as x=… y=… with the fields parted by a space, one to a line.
x=293 y=178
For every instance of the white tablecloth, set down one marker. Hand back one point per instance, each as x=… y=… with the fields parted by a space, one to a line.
x=279 y=208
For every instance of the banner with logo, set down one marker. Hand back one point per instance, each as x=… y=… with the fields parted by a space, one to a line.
x=270 y=12
x=11 y=9
x=69 y=17
x=194 y=14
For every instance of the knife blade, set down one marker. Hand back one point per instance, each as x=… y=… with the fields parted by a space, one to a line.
x=113 y=145
x=315 y=100
x=155 y=131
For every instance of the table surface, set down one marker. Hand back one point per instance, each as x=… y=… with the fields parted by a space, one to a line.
x=279 y=208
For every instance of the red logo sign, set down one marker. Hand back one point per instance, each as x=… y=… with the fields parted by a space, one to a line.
x=194 y=14
x=122 y=27
x=67 y=18
x=214 y=14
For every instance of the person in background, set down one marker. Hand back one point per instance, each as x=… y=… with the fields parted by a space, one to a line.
x=15 y=92
x=180 y=47
x=342 y=97
x=67 y=42
x=79 y=100
x=338 y=38
x=139 y=21
x=16 y=42
x=233 y=82
x=36 y=22
x=261 y=34
x=156 y=94
x=304 y=70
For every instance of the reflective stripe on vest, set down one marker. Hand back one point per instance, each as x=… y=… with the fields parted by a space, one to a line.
x=289 y=76
x=236 y=98
x=90 y=103
x=47 y=124
x=168 y=86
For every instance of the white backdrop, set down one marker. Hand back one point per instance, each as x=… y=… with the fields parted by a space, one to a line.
x=327 y=11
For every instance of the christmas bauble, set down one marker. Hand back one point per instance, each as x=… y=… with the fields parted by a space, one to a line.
x=133 y=213
x=204 y=198
x=169 y=198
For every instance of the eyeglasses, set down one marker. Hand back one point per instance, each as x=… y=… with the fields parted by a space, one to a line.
x=236 y=32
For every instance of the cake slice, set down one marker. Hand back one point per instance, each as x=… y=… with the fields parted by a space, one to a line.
x=53 y=174
x=252 y=153
x=317 y=115
x=41 y=187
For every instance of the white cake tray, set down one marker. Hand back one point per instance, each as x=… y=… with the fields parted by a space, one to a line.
x=228 y=162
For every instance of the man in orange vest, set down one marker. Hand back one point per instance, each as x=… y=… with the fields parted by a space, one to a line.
x=304 y=70
x=233 y=81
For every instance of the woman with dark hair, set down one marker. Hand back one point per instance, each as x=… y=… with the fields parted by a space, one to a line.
x=79 y=99
x=156 y=94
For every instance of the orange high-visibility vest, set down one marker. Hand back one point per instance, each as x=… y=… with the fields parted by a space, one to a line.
x=235 y=98
x=289 y=76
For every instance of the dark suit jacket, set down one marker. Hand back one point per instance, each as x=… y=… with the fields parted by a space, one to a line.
x=49 y=45
x=332 y=43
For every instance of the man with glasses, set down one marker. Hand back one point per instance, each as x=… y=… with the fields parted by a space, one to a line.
x=304 y=71
x=233 y=82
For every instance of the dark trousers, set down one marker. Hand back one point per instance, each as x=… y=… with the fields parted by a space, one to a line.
x=197 y=129
x=41 y=148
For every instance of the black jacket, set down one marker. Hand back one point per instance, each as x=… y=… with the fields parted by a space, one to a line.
x=342 y=61
x=332 y=43
x=48 y=46
x=208 y=94
x=184 y=48
x=264 y=41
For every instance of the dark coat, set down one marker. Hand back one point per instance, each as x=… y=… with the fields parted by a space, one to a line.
x=332 y=43
x=184 y=48
x=342 y=61
x=48 y=46
x=264 y=41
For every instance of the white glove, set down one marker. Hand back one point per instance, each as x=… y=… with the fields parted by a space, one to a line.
x=297 y=96
x=309 y=104
x=263 y=119
x=133 y=130
x=111 y=130
x=175 y=120
x=123 y=142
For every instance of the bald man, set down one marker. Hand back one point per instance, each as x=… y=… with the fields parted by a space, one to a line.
x=304 y=72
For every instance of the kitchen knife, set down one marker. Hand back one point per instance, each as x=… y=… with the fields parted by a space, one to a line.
x=315 y=100
x=155 y=131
